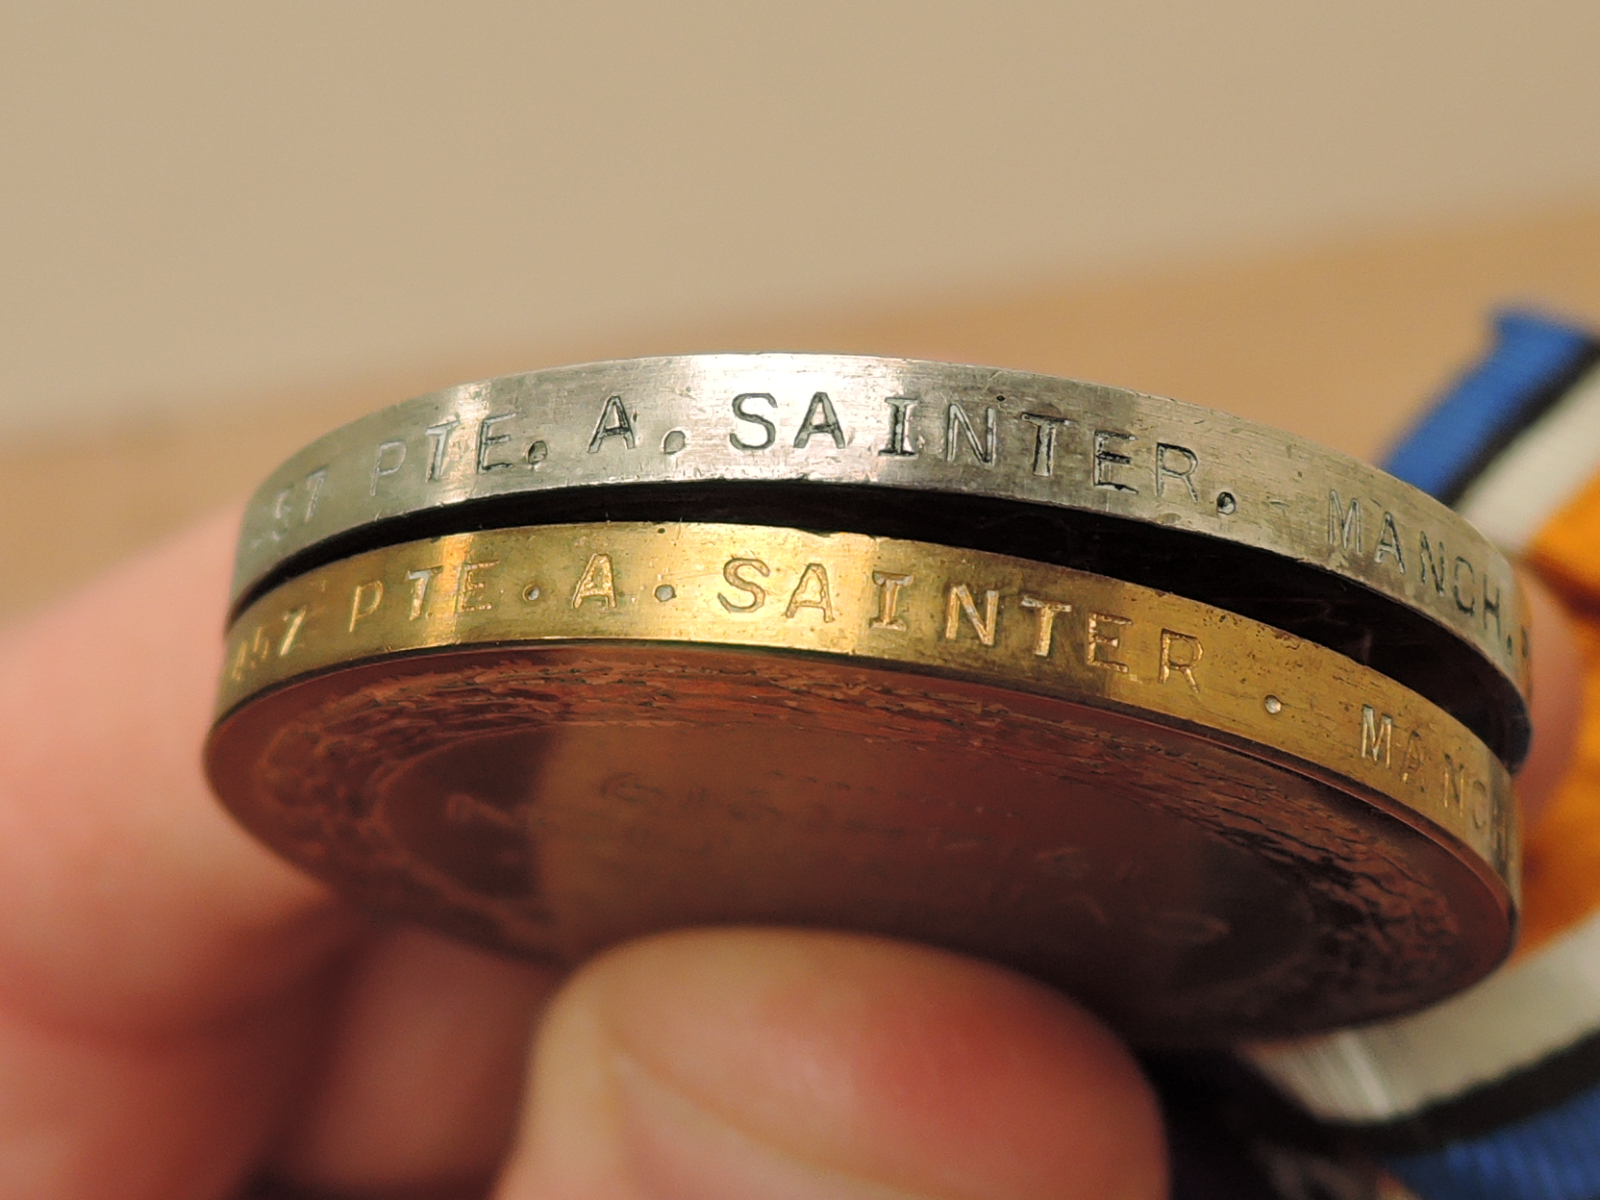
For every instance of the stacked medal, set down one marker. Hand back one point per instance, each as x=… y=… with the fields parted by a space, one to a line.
x=1205 y=724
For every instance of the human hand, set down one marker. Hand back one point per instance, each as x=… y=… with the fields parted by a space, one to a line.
x=182 y=1013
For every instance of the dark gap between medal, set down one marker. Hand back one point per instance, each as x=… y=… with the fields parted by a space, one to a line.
x=1303 y=600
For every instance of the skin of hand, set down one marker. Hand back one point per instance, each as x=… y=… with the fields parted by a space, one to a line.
x=181 y=1013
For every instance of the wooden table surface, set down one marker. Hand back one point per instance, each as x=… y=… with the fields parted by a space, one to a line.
x=1340 y=341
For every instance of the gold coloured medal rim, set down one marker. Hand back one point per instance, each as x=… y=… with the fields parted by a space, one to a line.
x=917 y=606
x=900 y=424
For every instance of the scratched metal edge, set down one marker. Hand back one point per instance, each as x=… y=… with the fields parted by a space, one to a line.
x=1497 y=848
x=1494 y=897
x=268 y=537
x=1500 y=871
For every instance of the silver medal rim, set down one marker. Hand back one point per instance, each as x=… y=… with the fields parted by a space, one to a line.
x=897 y=423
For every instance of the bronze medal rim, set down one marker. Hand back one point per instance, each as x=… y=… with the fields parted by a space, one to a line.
x=1303 y=997
x=1291 y=697
x=656 y=600
x=1226 y=511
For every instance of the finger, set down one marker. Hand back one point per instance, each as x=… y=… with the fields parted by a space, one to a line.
x=159 y=972
x=128 y=899
x=750 y=1065
x=422 y=1074
x=170 y=1117
x=1557 y=698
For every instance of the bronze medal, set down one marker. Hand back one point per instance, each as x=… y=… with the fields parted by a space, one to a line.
x=550 y=738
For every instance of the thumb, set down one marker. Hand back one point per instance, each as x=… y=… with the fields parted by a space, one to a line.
x=765 y=1065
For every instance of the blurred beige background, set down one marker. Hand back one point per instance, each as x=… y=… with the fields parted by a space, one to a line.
x=225 y=228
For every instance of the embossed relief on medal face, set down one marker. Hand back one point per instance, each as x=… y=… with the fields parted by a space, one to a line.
x=556 y=800
x=951 y=613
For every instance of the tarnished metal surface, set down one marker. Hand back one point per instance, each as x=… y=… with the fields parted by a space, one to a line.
x=1174 y=496
x=550 y=738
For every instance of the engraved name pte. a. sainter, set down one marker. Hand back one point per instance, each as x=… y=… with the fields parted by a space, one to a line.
x=550 y=737
x=1140 y=487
